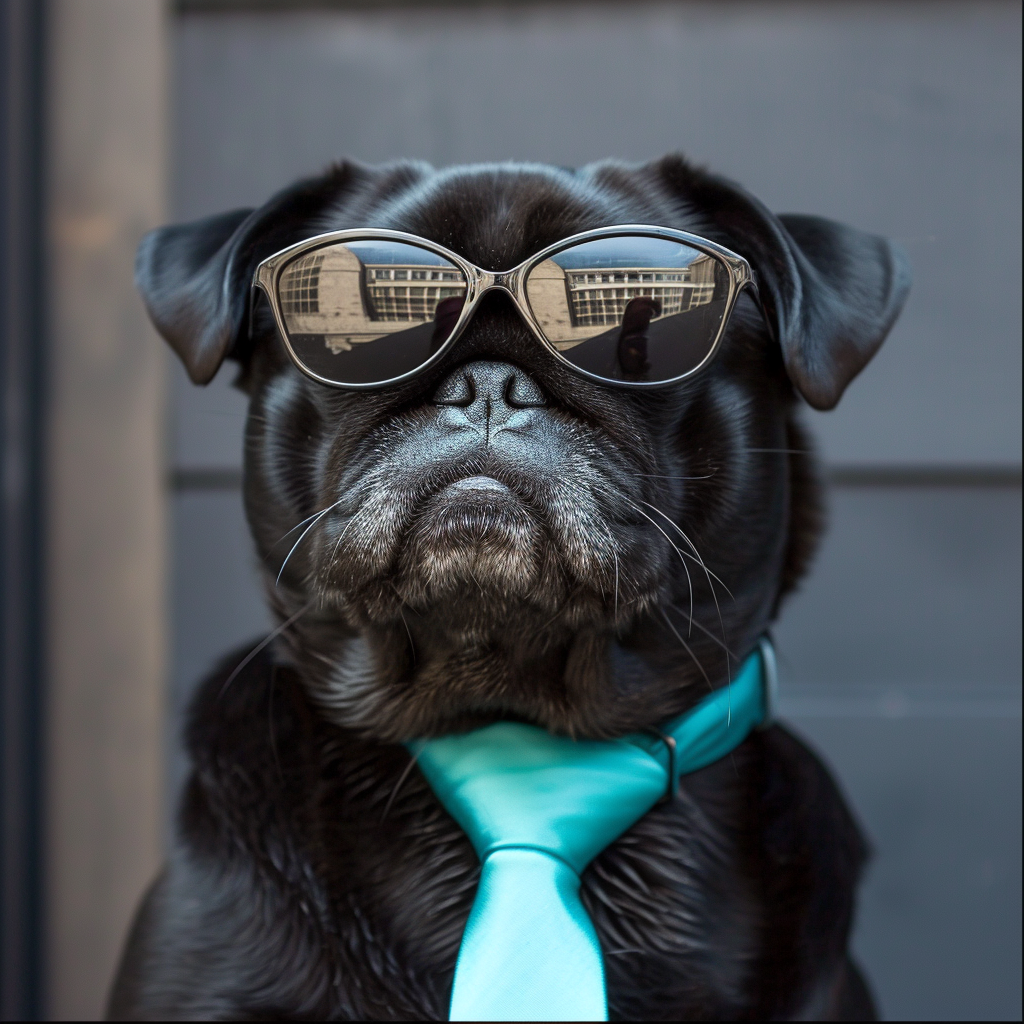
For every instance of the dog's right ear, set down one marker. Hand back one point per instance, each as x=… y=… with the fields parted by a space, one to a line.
x=195 y=278
x=829 y=292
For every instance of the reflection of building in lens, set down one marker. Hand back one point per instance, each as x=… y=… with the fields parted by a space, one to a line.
x=570 y=303
x=300 y=285
x=599 y=297
x=331 y=293
x=391 y=300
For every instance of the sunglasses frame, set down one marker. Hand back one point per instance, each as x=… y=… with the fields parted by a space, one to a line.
x=479 y=282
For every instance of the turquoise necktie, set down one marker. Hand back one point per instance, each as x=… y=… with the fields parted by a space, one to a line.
x=538 y=808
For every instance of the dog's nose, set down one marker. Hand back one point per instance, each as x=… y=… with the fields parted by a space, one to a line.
x=490 y=394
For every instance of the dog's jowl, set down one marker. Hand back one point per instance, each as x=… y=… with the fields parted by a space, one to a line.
x=495 y=476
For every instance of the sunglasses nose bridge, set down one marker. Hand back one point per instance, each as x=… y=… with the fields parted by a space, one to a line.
x=504 y=280
x=508 y=281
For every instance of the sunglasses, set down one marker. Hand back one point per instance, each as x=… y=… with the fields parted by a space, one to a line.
x=633 y=306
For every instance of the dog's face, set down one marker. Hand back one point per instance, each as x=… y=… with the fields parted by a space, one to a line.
x=502 y=537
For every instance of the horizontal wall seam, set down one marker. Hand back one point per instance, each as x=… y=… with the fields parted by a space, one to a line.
x=924 y=476
x=186 y=7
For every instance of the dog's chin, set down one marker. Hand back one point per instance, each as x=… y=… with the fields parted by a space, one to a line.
x=478 y=603
x=472 y=542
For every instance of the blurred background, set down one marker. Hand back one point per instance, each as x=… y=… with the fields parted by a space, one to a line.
x=125 y=564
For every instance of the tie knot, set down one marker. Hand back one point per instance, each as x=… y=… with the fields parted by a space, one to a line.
x=512 y=785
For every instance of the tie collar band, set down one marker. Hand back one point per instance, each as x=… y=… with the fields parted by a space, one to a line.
x=537 y=809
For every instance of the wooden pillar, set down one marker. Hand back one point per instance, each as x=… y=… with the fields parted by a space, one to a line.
x=106 y=572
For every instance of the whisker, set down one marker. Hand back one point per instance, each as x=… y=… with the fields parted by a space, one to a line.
x=687 y=648
x=341 y=537
x=297 y=525
x=697 y=559
x=263 y=643
x=672 y=476
x=707 y=632
x=558 y=611
x=721 y=621
x=319 y=516
x=398 y=785
x=674 y=547
x=718 y=608
x=408 y=632
x=684 y=554
x=615 y=557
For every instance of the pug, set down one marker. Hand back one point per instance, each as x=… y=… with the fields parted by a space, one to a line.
x=523 y=443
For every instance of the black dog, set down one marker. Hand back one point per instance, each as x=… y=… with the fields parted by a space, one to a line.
x=314 y=875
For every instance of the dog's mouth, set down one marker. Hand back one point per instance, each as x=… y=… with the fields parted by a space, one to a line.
x=475 y=533
x=469 y=509
x=473 y=512
x=474 y=499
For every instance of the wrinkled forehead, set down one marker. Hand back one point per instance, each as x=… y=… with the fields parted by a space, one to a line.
x=498 y=216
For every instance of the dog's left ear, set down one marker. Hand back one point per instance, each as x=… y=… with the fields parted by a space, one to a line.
x=831 y=293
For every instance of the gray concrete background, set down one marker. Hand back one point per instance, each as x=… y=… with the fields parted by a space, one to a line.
x=901 y=656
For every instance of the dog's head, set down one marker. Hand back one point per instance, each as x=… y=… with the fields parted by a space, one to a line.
x=500 y=536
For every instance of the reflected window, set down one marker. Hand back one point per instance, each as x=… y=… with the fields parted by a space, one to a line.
x=300 y=285
x=599 y=297
x=352 y=293
x=391 y=298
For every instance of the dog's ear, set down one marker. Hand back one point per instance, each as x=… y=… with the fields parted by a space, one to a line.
x=184 y=275
x=831 y=293
x=835 y=312
x=195 y=278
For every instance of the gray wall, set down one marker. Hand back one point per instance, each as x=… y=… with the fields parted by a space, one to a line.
x=901 y=656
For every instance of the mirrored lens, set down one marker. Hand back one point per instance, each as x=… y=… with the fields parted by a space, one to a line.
x=365 y=312
x=631 y=307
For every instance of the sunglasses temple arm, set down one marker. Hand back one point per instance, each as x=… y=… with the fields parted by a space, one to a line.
x=252 y=305
x=762 y=308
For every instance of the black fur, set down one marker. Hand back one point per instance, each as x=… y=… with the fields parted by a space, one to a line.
x=313 y=876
